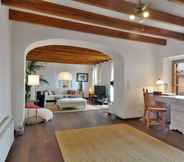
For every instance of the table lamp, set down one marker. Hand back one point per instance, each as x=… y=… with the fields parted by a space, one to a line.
x=65 y=77
x=160 y=87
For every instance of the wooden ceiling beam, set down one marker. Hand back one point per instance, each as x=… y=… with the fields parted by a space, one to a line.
x=69 y=25
x=126 y=7
x=89 y=17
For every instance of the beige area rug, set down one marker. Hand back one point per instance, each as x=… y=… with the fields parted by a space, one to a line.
x=115 y=143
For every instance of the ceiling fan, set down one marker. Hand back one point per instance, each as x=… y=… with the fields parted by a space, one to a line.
x=140 y=13
x=177 y=1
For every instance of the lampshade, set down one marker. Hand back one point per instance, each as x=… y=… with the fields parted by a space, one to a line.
x=66 y=76
x=90 y=90
x=159 y=82
x=33 y=80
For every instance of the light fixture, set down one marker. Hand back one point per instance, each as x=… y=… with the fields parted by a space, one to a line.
x=141 y=12
x=65 y=77
x=160 y=87
x=132 y=17
x=33 y=80
x=146 y=14
x=90 y=90
x=159 y=82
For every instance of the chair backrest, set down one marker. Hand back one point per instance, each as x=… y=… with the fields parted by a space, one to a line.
x=146 y=98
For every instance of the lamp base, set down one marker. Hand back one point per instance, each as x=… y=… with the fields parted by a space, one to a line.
x=157 y=93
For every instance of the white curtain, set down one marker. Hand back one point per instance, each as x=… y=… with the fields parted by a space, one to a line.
x=112 y=86
x=103 y=74
x=95 y=75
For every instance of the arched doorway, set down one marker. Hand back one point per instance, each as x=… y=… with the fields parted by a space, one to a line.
x=118 y=108
x=96 y=90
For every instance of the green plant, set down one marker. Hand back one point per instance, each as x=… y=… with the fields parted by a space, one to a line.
x=32 y=67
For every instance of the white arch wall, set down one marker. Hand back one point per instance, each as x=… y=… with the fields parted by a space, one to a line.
x=134 y=65
x=5 y=64
x=116 y=57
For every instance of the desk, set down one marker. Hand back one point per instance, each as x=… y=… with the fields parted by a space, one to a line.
x=176 y=110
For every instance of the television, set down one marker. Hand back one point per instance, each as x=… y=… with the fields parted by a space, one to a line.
x=100 y=90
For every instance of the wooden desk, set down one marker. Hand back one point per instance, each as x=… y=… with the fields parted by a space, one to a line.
x=176 y=104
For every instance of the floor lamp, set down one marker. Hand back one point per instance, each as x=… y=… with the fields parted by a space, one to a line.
x=33 y=81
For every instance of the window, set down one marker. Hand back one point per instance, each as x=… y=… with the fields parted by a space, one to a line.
x=178 y=77
x=95 y=75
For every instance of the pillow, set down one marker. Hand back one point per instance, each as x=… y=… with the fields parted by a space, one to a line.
x=31 y=106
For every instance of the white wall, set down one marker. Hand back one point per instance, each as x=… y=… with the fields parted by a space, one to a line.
x=134 y=65
x=51 y=71
x=173 y=51
x=5 y=63
x=7 y=136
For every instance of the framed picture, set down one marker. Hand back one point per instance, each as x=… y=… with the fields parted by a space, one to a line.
x=82 y=77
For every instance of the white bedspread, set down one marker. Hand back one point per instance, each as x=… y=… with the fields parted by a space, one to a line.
x=72 y=100
x=78 y=103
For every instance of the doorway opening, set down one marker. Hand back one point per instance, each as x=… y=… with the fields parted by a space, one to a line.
x=71 y=78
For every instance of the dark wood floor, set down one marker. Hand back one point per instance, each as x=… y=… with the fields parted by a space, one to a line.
x=38 y=144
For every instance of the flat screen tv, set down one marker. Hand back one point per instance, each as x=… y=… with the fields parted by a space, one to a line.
x=100 y=90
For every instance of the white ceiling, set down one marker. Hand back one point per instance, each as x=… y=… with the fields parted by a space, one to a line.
x=163 y=5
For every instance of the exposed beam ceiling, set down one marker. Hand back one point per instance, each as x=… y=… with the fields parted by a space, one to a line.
x=88 y=17
x=128 y=8
x=67 y=55
x=65 y=24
